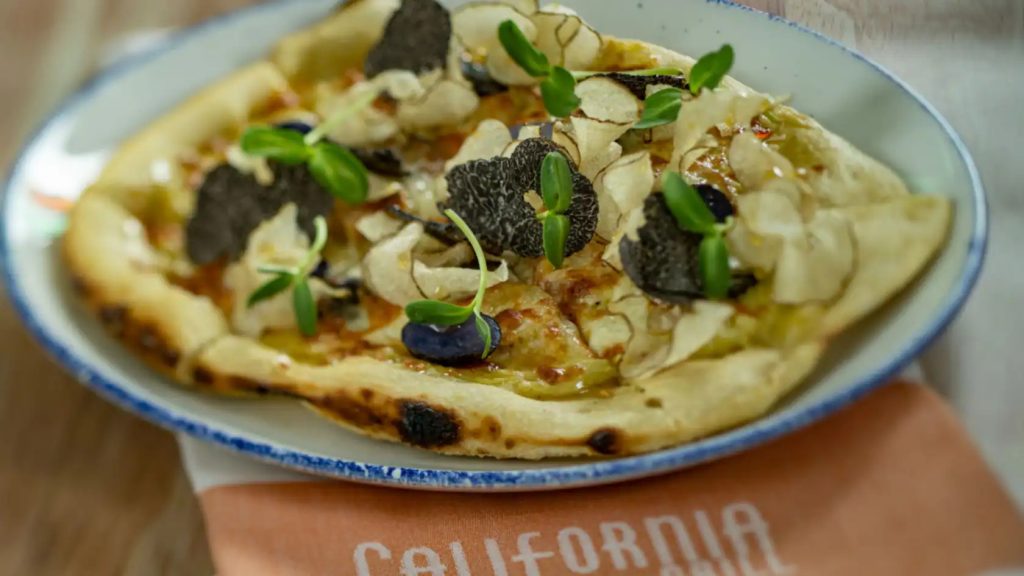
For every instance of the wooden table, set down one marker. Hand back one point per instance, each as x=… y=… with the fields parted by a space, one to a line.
x=88 y=489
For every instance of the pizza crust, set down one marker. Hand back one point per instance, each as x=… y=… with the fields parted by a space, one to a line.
x=128 y=177
x=186 y=335
x=384 y=400
x=110 y=266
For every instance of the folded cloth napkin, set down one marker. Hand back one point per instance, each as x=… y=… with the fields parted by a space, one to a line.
x=889 y=486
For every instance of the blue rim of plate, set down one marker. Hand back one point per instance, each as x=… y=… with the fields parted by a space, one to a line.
x=573 y=475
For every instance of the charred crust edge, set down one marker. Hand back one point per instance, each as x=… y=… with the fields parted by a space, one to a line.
x=427 y=426
x=607 y=441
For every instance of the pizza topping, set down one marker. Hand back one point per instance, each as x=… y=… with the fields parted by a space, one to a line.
x=565 y=38
x=480 y=78
x=662 y=260
x=557 y=85
x=444 y=231
x=663 y=337
x=445 y=314
x=474 y=26
x=489 y=139
x=279 y=248
x=713 y=108
x=810 y=260
x=335 y=168
x=455 y=345
x=639 y=82
x=416 y=38
x=382 y=161
x=663 y=106
x=493 y=196
x=680 y=254
x=622 y=188
x=230 y=205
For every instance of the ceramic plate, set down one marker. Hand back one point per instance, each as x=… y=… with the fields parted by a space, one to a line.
x=846 y=92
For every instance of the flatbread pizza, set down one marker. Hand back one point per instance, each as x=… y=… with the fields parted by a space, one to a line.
x=493 y=231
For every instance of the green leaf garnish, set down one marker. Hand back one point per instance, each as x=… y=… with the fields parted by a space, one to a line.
x=714 y=266
x=710 y=69
x=556 y=231
x=334 y=167
x=317 y=134
x=558 y=91
x=686 y=205
x=281 y=144
x=556 y=182
x=661 y=108
x=305 y=307
x=558 y=87
x=447 y=314
x=530 y=59
x=339 y=171
x=484 y=331
x=271 y=288
x=437 y=312
x=693 y=215
x=296 y=278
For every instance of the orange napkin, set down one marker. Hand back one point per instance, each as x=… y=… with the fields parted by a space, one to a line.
x=890 y=486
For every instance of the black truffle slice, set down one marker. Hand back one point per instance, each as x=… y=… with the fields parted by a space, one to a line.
x=415 y=39
x=483 y=83
x=490 y=196
x=583 y=210
x=663 y=261
x=443 y=231
x=638 y=83
x=230 y=205
x=383 y=161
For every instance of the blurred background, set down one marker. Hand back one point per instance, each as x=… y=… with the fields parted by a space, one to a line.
x=88 y=489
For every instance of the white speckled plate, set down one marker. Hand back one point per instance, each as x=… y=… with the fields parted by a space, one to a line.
x=849 y=94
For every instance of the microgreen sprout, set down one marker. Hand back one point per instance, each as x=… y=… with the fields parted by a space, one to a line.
x=693 y=215
x=663 y=106
x=296 y=278
x=334 y=167
x=558 y=87
x=440 y=313
x=556 y=190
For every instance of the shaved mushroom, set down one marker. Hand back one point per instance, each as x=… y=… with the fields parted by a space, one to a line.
x=595 y=138
x=644 y=346
x=398 y=272
x=755 y=163
x=280 y=242
x=621 y=189
x=387 y=267
x=565 y=38
x=765 y=218
x=605 y=99
x=475 y=25
x=366 y=127
x=489 y=139
x=563 y=135
x=378 y=226
x=451 y=283
x=445 y=103
x=399 y=84
x=711 y=108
